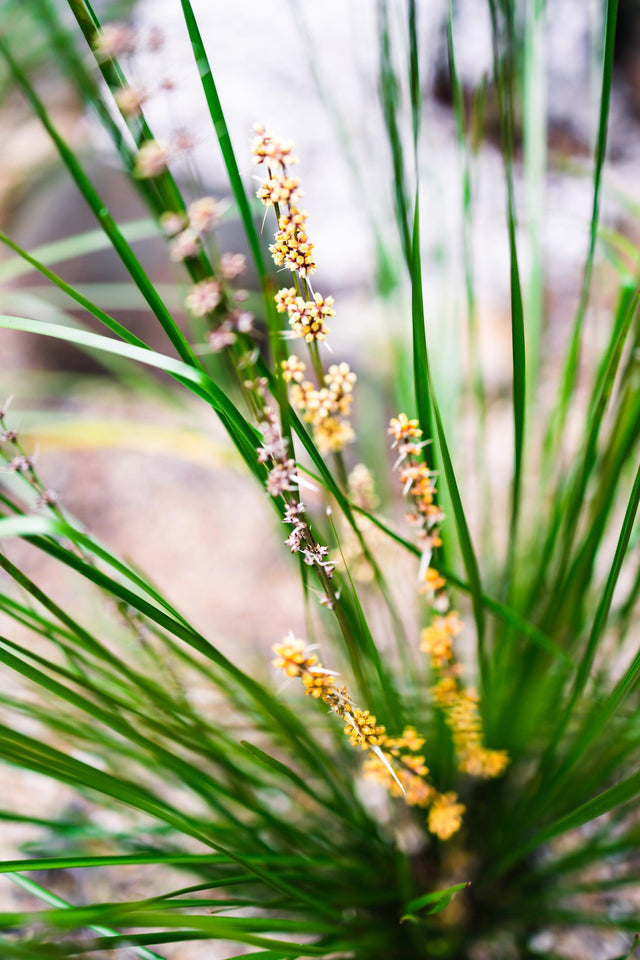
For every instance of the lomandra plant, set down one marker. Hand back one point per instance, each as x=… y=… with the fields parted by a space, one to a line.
x=407 y=794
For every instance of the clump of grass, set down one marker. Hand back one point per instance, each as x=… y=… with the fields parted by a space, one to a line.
x=470 y=822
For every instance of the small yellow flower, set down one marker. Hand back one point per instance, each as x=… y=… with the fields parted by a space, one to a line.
x=416 y=764
x=432 y=581
x=340 y=382
x=279 y=190
x=292 y=220
x=481 y=762
x=444 y=692
x=307 y=317
x=324 y=307
x=303 y=396
x=445 y=815
x=293 y=658
x=417 y=792
x=402 y=428
x=375 y=769
x=333 y=435
x=293 y=249
x=285 y=298
x=339 y=701
x=318 y=685
x=293 y=369
x=318 y=404
x=362 y=730
x=270 y=148
x=436 y=639
x=417 y=479
x=409 y=740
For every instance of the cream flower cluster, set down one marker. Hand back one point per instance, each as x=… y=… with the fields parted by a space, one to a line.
x=326 y=403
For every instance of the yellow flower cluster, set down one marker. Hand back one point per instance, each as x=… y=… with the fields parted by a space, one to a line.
x=393 y=761
x=404 y=430
x=291 y=247
x=307 y=317
x=326 y=408
x=445 y=815
x=279 y=190
x=293 y=369
x=410 y=770
x=363 y=731
x=460 y=708
x=436 y=639
x=267 y=147
x=333 y=435
x=325 y=404
x=293 y=658
x=458 y=703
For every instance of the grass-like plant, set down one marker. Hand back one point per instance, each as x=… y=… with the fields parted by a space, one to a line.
x=477 y=805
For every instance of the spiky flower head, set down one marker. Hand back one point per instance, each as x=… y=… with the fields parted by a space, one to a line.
x=285 y=298
x=431 y=581
x=293 y=657
x=308 y=317
x=340 y=381
x=479 y=761
x=293 y=369
x=333 y=435
x=362 y=729
x=445 y=815
x=292 y=247
x=280 y=189
x=401 y=428
x=270 y=148
x=319 y=684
